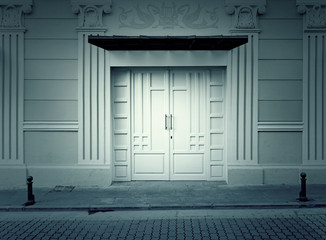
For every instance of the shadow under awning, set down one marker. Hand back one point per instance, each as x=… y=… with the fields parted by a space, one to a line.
x=167 y=42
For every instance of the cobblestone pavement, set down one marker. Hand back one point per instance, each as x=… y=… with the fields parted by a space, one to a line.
x=172 y=224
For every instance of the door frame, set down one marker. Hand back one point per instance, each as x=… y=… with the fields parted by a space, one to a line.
x=131 y=59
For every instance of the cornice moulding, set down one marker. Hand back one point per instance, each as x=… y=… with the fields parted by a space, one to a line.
x=245 y=31
x=91 y=29
x=12 y=29
x=16 y=2
x=311 y=2
x=245 y=2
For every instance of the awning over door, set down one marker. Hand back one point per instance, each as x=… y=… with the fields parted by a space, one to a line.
x=167 y=42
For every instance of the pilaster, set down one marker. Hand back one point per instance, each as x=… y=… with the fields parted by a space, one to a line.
x=12 y=79
x=244 y=81
x=91 y=76
x=314 y=85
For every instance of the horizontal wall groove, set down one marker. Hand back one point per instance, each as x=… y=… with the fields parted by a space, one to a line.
x=50 y=18
x=51 y=100
x=51 y=59
x=278 y=100
x=282 y=18
x=277 y=59
x=281 y=79
x=30 y=79
x=50 y=79
x=282 y=39
x=51 y=38
x=283 y=59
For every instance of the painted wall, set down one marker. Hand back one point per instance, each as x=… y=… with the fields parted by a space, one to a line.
x=51 y=124
x=50 y=91
x=280 y=97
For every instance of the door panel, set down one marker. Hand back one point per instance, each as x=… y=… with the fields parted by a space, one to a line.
x=188 y=107
x=180 y=123
x=150 y=143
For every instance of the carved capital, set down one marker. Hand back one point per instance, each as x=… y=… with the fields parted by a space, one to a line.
x=315 y=14
x=90 y=12
x=12 y=11
x=245 y=12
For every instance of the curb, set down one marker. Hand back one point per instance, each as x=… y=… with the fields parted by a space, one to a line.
x=96 y=209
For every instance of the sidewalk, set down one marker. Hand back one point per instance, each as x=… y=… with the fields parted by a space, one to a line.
x=162 y=195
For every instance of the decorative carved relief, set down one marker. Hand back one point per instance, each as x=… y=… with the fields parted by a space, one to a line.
x=245 y=12
x=169 y=16
x=91 y=12
x=315 y=13
x=11 y=13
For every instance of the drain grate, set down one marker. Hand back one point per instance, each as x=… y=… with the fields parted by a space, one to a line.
x=60 y=188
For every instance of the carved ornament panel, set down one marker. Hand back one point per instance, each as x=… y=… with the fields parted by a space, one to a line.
x=90 y=12
x=315 y=13
x=11 y=13
x=168 y=15
x=245 y=12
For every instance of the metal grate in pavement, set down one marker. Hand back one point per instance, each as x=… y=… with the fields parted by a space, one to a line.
x=60 y=188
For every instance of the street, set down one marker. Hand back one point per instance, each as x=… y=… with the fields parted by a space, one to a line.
x=304 y=223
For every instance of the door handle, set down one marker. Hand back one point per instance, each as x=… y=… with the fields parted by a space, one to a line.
x=165 y=122
x=168 y=122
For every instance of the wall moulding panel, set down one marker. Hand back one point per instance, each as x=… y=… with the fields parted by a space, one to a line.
x=314 y=97
x=12 y=79
x=280 y=126
x=92 y=72
x=51 y=126
x=244 y=82
x=11 y=95
x=92 y=75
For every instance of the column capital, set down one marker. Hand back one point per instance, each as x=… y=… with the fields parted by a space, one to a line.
x=11 y=14
x=314 y=12
x=90 y=13
x=245 y=13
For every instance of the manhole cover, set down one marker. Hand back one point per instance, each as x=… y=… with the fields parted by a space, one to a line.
x=60 y=188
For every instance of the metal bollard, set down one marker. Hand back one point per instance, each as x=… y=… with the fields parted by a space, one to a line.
x=302 y=195
x=30 y=195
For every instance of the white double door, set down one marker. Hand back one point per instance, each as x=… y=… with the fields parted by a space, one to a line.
x=168 y=124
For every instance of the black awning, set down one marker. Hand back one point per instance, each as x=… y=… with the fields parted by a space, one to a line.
x=167 y=42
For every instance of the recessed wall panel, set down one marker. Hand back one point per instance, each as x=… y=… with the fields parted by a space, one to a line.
x=216 y=171
x=149 y=163
x=280 y=148
x=188 y=164
x=50 y=148
x=216 y=155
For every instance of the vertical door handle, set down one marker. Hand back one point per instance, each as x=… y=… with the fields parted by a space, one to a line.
x=165 y=123
x=168 y=122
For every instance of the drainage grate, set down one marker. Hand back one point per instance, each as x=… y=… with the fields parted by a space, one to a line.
x=60 y=188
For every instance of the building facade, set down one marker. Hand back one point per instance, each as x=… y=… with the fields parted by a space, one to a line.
x=72 y=113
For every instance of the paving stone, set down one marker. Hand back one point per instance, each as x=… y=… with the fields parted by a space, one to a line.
x=44 y=227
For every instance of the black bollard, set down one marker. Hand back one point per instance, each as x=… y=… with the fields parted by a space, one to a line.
x=302 y=195
x=30 y=195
